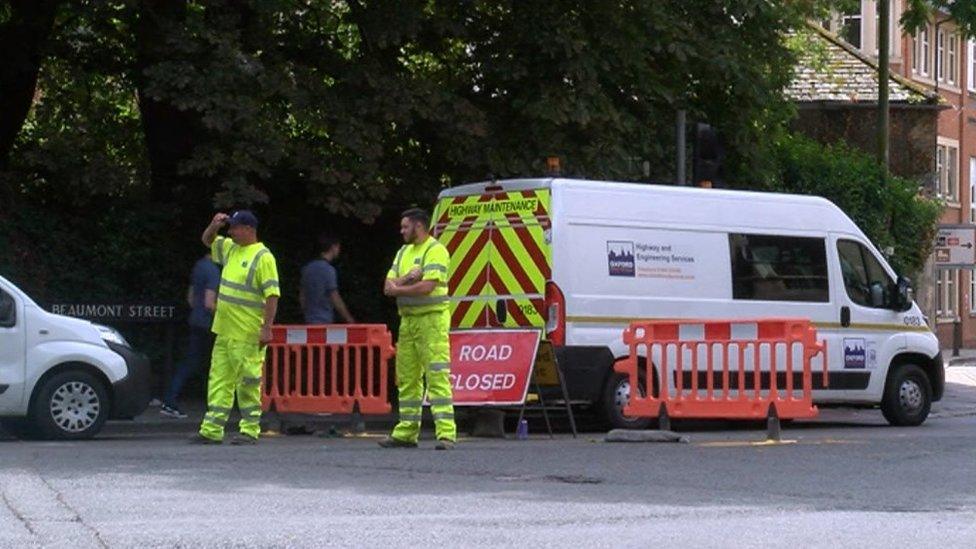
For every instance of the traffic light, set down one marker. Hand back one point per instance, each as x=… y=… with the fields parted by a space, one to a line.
x=708 y=157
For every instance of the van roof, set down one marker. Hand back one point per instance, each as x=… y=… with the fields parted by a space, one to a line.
x=751 y=208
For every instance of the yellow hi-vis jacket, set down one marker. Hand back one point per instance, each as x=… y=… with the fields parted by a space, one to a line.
x=249 y=276
x=433 y=259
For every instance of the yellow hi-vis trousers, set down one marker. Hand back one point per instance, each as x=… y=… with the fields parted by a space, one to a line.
x=236 y=366
x=424 y=350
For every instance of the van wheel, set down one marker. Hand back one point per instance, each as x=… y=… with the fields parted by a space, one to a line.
x=616 y=394
x=71 y=405
x=907 y=397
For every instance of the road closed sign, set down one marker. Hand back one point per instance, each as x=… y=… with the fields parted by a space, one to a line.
x=492 y=367
x=955 y=246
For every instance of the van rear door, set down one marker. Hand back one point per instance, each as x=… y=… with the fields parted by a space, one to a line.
x=500 y=255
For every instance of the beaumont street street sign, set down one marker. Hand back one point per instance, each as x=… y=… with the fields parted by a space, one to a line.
x=119 y=312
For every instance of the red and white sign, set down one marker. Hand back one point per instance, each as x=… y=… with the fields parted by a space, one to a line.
x=492 y=367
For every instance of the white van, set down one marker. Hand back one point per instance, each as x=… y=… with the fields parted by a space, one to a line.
x=582 y=259
x=61 y=377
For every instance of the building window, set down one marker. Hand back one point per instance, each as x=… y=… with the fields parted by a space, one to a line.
x=940 y=39
x=947 y=171
x=851 y=27
x=923 y=54
x=972 y=189
x=914 y=54
x=972 y=65
x=972 y=292
x=952 y=60
x=947 y=298
x=778 y=268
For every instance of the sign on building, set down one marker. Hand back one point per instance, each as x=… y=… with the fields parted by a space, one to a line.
x=955 y=247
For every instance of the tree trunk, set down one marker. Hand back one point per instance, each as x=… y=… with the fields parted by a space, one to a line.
x=168 y=130
x=22 y=39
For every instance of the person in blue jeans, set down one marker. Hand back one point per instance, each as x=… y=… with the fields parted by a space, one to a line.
x=319 y=293
x=202 y=298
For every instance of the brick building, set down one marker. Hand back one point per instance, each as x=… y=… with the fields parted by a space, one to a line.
x=940 y=59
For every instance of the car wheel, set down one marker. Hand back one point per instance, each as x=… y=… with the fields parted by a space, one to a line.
x=907 y=397
x=616 y=394
x=70 y=405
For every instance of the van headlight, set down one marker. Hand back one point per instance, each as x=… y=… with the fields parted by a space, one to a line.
x=111 y=335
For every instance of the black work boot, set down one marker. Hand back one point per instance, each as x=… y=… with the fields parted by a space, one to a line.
x=445 y=444
x=197 y=438
x=390 y=442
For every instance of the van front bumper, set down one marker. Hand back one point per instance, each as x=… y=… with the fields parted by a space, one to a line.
x=131 y=394
x=938 y=381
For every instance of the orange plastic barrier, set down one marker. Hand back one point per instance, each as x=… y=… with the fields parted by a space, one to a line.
x=328 y=369
x=722 y=369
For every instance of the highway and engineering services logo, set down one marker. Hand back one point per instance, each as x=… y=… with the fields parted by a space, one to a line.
x=620 y=258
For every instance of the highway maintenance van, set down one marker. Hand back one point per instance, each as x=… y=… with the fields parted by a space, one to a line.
x=580 y=260
x=62 y=377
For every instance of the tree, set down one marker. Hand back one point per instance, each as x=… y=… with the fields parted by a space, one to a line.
x=919 y=13
x=150 y=113
x=24 y=29
x=889 y=209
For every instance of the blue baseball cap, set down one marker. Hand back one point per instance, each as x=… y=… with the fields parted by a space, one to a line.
x=243 y=217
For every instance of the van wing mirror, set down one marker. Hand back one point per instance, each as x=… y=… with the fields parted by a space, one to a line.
x=903 y=294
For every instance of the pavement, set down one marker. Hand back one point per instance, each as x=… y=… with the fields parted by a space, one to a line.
x=960 y=397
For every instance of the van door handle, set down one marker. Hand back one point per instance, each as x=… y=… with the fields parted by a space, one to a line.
x=845 y=316
x=501 y=311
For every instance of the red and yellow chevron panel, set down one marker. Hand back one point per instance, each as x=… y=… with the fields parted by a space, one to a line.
x=499 y=250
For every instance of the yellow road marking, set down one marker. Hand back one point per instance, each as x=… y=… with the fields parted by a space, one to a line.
x=746 y=443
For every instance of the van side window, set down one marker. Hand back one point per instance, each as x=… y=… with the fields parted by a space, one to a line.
x=862 y=272
x=8 y=312
x=779 y=268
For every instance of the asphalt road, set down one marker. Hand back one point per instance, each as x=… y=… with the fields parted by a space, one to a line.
x=838 y=483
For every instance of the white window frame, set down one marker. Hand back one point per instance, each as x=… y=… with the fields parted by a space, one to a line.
x=952 y=59
x=947 y=170
x=915 y=54
x=947 y=294
x=972 y=189
x=940 y=294
x=972 y=65
x=940 y=46
x=893 y=49
x=925 y=51
x=952 y=174
x=972 y=292
x=860 y=27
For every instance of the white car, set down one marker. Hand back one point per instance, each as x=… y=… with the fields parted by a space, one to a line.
x=62 y=377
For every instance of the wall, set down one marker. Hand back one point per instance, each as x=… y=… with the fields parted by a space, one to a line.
x=912 y=139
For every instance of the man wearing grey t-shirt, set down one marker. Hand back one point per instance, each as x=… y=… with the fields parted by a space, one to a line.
x=319 y=293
